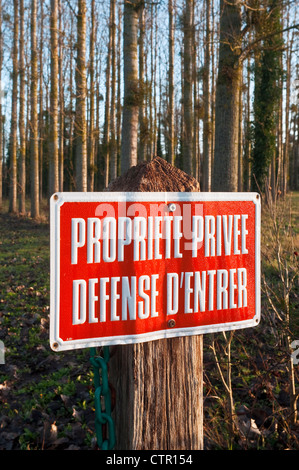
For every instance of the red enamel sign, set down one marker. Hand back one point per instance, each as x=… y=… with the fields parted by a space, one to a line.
x=134 y=267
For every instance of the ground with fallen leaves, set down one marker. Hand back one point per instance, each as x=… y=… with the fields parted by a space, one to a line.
x=47 y=398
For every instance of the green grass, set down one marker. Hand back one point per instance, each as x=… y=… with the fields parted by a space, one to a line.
x=36 y=377
x=39 y=386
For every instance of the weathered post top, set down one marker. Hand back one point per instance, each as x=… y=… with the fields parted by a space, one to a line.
x=154 y=175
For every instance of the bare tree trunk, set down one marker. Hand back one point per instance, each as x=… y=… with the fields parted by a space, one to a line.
x=34 y=163
x=97 y=118
x=142 y=120
x=106 y=136
x=188 y=114
x=247 y=150
x=131 y=88
x=214 y=63
x=22 y=131
x=113 y=147
x=225 y=168
x=277 y=187
x=171 y=150
x=92 y=103
x=286 y=149
x=41 y=98
x=61 y=104
x=118 y=112
x=80 y=123
x=14 y=115
x=240 y=140
x=195 y=150
x=207 y=134
x=154 y=84
x=1 y=123
x=53 y=144
x=71 y=165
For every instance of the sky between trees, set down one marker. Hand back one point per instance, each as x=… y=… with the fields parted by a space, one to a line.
x=91 y=88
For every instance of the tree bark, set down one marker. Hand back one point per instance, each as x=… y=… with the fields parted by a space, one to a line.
x=80 y=122
x=14 y=115
x=171 y=152
x=53 y=134
x=131 y=87
x=286 y=149
x=22 y=131
x=142 y=120
x=113 y=147
x=1 y=123
x=207 y=132
x=240 y=139
x=107 y=122
x=188 y=112
x=225 y=168
x=61 y=104
x=41 y=99
x=34 y=162
x=91 y=146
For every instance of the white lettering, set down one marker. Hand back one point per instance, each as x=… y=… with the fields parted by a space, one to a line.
x=172 y=293
x=92 y=298
x=79 y=302
x=209 y=235
x=77 y=238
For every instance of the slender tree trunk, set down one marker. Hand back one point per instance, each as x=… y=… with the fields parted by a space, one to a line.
x=118 y=112
x=286 y=149
x=214 y=63
x=97 y=118
x=171 y=149
x=131 y=88
x=113 y=147
x=188 y=114
x=61 y=103
x=34 y=162
x=14 y=115
x=1 y=123
x=207 y=134
x=240 y=141
x=71 y=156
x=277 y=187
x=225 y=168
x=195 y=151
x=53 y=144
x=247 y=150
x=106 y=136
x=92 y=102
x=80 y=122
x=22 y=99
x=154 y=86
x=142 y=120
x=41 y=99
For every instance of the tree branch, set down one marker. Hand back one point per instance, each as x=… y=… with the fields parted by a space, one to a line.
x=251 y=46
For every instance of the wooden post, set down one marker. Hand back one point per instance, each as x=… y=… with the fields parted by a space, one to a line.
x=158 y=384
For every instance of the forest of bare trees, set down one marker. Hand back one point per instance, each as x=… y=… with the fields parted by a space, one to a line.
x=91 y=87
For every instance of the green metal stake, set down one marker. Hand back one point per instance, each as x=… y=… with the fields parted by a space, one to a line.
x=102 y=407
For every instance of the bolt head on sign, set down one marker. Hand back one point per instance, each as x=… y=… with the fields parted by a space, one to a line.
x=129 y=267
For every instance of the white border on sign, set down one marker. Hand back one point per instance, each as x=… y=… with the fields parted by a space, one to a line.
x=58 y=199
